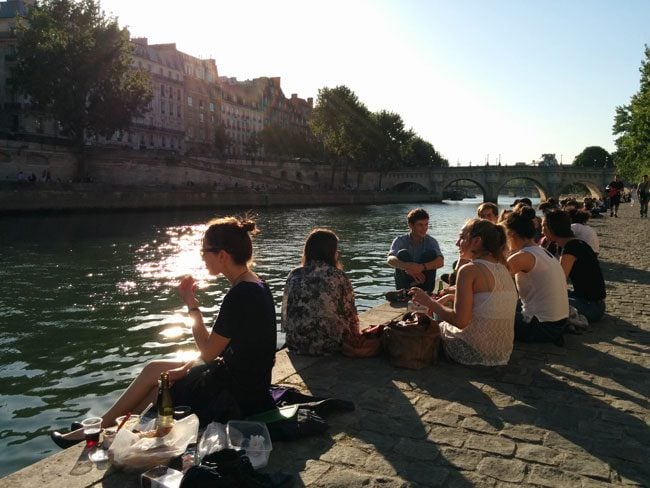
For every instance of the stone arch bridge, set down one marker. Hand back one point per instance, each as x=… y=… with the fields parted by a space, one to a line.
x=550 y=181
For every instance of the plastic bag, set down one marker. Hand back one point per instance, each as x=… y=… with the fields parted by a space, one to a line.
x=213 y=439
x=132 y=453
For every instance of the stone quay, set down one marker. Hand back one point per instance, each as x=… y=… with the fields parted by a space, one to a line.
x=573 y=416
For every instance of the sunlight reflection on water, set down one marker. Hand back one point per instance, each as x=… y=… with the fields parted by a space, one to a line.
x=85 y=301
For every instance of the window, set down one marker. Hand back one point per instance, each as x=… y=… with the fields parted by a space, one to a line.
x=211 y=106
x=162 y=90
x=189 y=101
x=171 y=108
x=162 y=106
x=201 y=117
x=178 y=110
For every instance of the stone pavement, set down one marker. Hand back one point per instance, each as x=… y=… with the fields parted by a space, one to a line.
x=555 y=416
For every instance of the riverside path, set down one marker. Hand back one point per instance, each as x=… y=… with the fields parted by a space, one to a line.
x=572 y=416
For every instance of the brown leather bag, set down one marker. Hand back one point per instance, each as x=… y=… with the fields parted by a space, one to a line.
x=412 y=342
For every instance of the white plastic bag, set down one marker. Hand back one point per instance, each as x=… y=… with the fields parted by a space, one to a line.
x=213 y=439
x=132 y=453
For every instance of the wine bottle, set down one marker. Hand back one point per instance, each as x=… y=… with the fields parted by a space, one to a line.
x=164 y=403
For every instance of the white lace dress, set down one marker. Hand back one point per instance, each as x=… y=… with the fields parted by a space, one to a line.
x=488 y=338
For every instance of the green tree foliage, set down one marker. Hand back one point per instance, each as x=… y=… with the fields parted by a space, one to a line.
x=632 y=126
x=594 y=157
x=74 y=63
x=221 y=140
x=422 y=154
x=343 y=123
x=388 y=140
x=379 y=140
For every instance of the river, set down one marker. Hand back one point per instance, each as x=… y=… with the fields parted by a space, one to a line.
x=86 y=299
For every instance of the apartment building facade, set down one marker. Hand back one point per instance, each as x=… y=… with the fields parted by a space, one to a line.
x=190 y=102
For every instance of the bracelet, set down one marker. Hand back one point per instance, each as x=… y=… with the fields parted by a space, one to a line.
x=193 y=309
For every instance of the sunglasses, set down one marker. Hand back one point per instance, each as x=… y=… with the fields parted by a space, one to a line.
x=209 y=249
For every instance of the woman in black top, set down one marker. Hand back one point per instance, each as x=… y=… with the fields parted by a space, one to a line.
x=580 y=265
x=233 y=377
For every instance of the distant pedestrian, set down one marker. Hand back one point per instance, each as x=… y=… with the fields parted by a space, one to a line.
x=615 y=189
x=643 y=193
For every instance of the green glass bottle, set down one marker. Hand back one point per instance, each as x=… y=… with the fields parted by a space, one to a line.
x=164 y=402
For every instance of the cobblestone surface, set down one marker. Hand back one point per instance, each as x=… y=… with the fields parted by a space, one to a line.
x=573 y=416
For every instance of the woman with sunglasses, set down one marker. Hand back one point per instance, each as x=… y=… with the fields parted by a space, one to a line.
x=233 y=376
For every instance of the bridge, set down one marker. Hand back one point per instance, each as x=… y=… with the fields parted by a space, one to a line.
x=550 y=181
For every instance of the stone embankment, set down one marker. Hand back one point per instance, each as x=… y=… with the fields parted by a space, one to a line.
x=23 y=198
x=573 y=416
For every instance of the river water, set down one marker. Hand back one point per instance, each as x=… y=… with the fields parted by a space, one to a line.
x=86 y=299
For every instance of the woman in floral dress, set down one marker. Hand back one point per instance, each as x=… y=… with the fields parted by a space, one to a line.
x=318 y=309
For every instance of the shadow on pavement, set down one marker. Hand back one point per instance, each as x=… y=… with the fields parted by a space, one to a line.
x=574 y=412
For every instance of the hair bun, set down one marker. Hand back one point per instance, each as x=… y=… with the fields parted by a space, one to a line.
x=248 y=225
x=526 y=211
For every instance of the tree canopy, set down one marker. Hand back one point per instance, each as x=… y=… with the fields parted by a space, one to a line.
x=594 y=157
x=372 y=140
x=632 y=126
x=74 y=63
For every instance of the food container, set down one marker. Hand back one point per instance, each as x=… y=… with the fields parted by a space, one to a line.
x=129 y=424
x=252 y=437
x=161 y=477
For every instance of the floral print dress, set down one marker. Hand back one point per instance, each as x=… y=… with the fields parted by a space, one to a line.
x=318 y=309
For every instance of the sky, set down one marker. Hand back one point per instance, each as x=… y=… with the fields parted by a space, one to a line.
x=481 y=80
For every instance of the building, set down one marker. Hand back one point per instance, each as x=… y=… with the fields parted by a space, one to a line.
x=249 y=106
x=162 y=127
x=190 y=102
x=201 y=99
x=18 y=119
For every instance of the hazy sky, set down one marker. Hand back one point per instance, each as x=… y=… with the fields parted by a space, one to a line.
x=515 y=78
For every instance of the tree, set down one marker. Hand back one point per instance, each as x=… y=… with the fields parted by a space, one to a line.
x=74 y=63
x=342 y=122
x=421 y=154
x=252 y=145
x=594 y=157
x=632 y=126
x=221 y=140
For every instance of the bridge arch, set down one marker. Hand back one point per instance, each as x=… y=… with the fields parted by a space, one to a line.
x=543 y=192
x=595 y=190
x=447 y=183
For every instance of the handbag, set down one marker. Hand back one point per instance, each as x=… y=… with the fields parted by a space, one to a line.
x=412 y=342
x=365 y=345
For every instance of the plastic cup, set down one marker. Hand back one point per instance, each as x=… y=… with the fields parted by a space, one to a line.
x=92 y=427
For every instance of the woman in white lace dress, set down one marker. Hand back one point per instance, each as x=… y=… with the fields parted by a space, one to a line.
x=478 y=327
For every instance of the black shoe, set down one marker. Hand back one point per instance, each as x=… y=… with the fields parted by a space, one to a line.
x=62 y=442
x=397 y=296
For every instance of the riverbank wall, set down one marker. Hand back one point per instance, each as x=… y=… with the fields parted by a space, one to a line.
x=24 y=198
x=160 y=169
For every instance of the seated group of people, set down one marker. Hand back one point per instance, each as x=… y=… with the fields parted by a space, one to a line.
x=480 y=315
x=506 y=284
